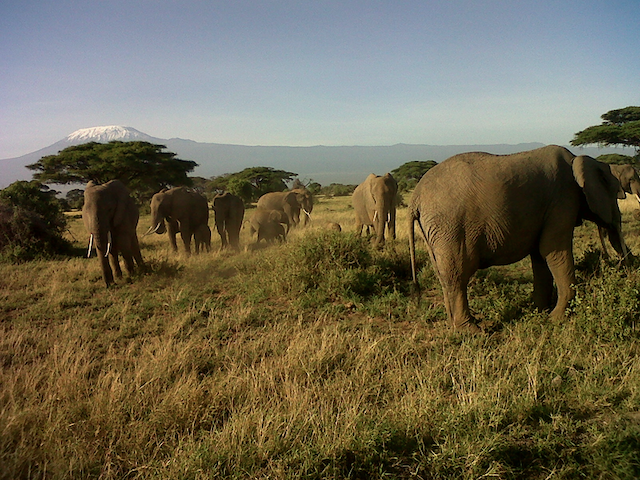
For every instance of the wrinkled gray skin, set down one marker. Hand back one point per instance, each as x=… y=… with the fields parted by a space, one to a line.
x=476 y=210
x=111 y=217
x=630 y=183
x=229 y=214
x=184 y=211
x=374 y=202
x=288 y=202
x=305 y=200
x=202 y=239
x=268 y=224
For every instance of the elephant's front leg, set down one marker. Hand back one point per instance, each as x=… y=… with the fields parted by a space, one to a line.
x=173 y=231
x=107 y=273
x=561 y=265
x=542 y=282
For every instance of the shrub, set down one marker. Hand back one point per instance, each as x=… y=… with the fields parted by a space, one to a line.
x=334 y=265
x=31 y=222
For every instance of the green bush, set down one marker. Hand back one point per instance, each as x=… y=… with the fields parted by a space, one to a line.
x=332 y=266
x=31 y=222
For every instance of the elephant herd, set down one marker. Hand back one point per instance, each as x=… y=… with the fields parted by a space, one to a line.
x=474 y=210
x=111 y=218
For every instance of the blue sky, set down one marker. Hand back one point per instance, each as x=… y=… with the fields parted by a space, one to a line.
x=315 y=72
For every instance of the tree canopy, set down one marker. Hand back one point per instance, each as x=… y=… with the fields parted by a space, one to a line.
x=251 y=183
x=620 y=127
x=142 y=166
x=409 y=174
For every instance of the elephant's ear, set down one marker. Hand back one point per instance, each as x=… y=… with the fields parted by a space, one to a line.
x=599 y=185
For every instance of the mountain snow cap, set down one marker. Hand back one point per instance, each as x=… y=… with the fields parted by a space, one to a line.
x=106 y=134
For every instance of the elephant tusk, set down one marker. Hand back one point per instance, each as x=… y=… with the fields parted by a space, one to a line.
x=638 y=198
x=307 y=213
x=152 y=229
x=90 y=246
x=375 y=215
x=106 y=254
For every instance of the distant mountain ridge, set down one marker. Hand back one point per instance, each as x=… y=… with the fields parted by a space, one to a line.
x=323 y=164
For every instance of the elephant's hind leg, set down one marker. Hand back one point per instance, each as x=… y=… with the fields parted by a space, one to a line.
x=454 y=277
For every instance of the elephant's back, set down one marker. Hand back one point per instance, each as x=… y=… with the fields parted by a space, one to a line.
x=271 y=201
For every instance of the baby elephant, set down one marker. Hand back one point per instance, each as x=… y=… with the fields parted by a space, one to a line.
x=202 y=238
x=268 y=224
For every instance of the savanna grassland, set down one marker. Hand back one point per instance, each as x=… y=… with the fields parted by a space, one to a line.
x=314 y=359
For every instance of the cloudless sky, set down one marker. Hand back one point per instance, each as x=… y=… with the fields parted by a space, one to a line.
x=313 y=72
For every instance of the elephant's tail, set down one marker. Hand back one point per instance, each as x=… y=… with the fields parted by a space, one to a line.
x=412 y=246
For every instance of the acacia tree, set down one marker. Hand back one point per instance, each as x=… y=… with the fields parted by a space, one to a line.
x=409 y=174
x=620 y=127
x=142 y=166
x=253 y=182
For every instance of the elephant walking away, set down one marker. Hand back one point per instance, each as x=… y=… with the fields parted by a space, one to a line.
x=268 y=224
x=476 y=210
x=374 y=202
x=184 y=211
x=110 y=216
x=630 y=183
x=229 y=214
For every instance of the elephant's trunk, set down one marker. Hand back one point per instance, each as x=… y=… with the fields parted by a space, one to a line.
x=90 y=246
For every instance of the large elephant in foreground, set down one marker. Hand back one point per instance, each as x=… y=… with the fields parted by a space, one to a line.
x=289 y=202
x=111 y=217
x=183 y=209
x=476 y=210
x=374 y=202
x=630 y=183
x=229 y=214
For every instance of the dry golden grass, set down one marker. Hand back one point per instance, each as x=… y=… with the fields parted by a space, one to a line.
x=239 y=366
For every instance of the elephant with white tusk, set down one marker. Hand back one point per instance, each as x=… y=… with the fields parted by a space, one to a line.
x=305 y=200
x=476 y=210
x=374 y=202
x=111 y=217
x=184 y=211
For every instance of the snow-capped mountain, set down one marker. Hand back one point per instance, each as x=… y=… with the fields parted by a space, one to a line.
x=324 y=164
x=106 y=134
